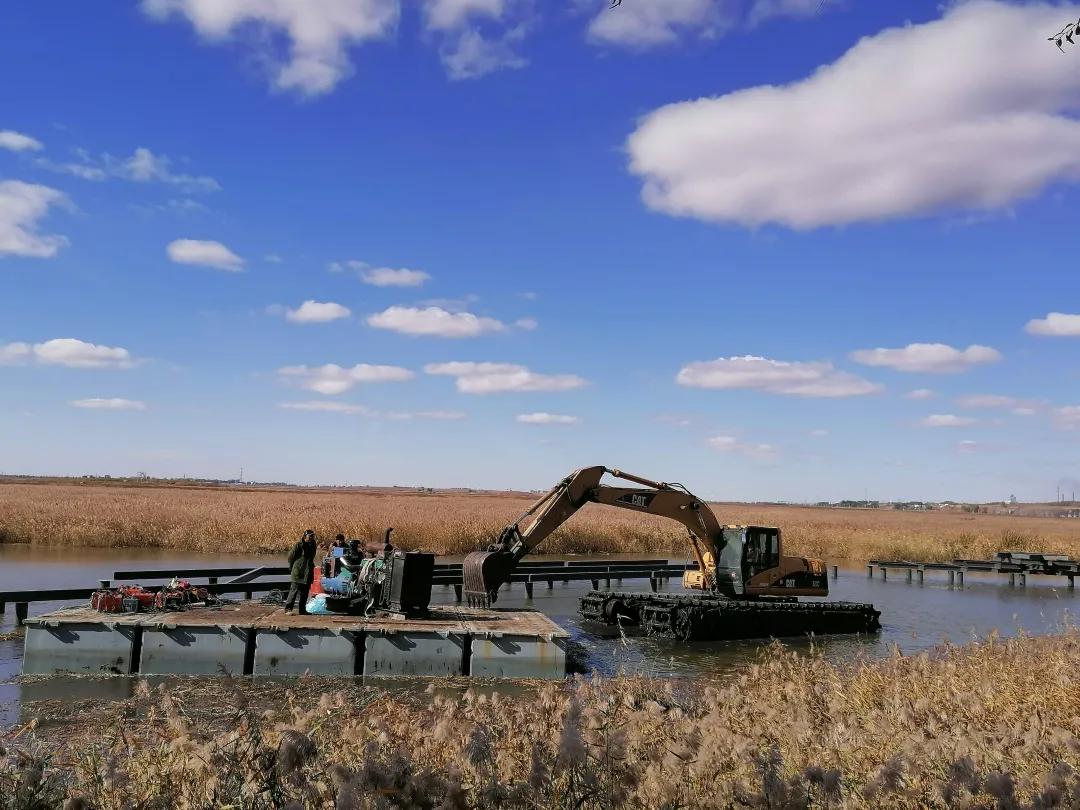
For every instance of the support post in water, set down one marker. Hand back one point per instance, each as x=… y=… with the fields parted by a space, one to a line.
x=457 y=592
x=909 y=575
x=884 y=573
x=869 y=570
x=1072 y=585
x=529 y=589
x=21 y=609
x=952 y=578
x=4 y=607
x=835 y=571
x=922 y=572
x=960 y=577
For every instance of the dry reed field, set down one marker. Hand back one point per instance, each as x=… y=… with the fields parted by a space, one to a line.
x=989 y=725
x=254 y=521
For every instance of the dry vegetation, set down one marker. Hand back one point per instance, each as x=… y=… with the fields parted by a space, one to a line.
x=253 y=521
x=989 y=725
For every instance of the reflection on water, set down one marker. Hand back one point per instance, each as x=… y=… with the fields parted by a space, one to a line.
x=914 y=617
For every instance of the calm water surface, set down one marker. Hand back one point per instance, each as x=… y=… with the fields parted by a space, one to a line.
x=914 y=616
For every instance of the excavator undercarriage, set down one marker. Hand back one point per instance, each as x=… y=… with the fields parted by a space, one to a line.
x=705 y=617
x=749 y=589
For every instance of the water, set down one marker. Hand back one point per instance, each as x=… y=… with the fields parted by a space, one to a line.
x=914 y=617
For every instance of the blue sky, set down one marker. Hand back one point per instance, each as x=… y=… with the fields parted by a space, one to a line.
x=714 y=242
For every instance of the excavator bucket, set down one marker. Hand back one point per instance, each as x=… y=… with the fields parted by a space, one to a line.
x=483 y=573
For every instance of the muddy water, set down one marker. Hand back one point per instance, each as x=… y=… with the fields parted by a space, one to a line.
x=914 y=617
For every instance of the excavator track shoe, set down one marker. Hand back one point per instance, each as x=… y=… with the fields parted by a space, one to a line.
x=714 y=618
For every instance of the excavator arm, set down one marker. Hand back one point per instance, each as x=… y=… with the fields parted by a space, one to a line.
x=485 y=571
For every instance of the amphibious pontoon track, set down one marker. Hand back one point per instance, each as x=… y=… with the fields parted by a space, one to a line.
x=707 y=617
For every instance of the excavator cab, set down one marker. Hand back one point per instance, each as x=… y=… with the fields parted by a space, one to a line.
x=762 y=549
x=751 y=563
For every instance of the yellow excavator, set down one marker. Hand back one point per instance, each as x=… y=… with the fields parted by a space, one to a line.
x=747 y=587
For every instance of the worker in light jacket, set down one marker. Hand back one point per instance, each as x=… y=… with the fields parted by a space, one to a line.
x=302 y=572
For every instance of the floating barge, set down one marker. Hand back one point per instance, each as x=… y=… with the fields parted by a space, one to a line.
x=250 y=638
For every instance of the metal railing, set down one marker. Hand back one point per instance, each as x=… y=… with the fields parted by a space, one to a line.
x=1016 y=564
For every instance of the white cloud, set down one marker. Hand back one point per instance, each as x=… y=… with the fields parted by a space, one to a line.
x=334 y=379
x=819 y=433
x=528 y=324
x=80 y=354
x=204 y=252
x=471 y=54
x=763 y=10
x=109 y=404
x=466 y=51
x=391 y=277
x=933 y=358
x=967 y=446
x=946 y=420
x=542 y=418
x=272 y=258
x=673 y=420
x=729 y=444
x=144 y=166
x=17 y=142
x=647 y=23
x=449 y=14
x=1019 y=407
x=976 y=119
x=319 y=33
x=443 y=416
x=183 y=205
x=22 y=206
x=1067 y=418
x=490 y=378
x=317 y=312
x=15 y=354
x=327 y=407
x=81 y=170
x=381 y=276
x=1055 y=324
x=920 y=393
x=775 y=377
x=434 y=322
x=461 y=304
x=361 y=410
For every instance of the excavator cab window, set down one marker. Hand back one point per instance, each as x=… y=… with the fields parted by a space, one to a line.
x=762 y=550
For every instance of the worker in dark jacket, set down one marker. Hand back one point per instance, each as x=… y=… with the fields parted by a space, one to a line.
x=302 y=572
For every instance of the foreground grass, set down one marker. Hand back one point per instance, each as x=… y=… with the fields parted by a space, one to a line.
x=254 y=521
x=994 y=724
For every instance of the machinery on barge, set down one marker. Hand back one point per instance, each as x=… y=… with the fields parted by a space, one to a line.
x=748 y=587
